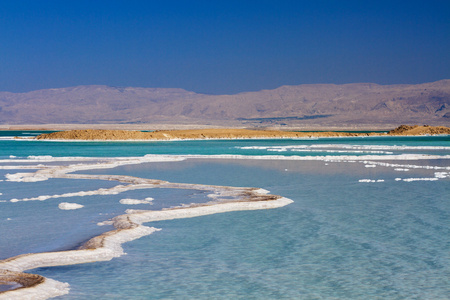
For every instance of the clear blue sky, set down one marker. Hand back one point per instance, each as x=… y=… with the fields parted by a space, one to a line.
x=218 y=47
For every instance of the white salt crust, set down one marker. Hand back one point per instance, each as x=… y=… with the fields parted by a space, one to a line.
x=128 y=227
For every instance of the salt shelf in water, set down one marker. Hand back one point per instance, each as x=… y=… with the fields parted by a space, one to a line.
x=128 y=227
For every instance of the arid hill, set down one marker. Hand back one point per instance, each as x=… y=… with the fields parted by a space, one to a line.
x=92 y=134
x=419 y=130
x=325 y=105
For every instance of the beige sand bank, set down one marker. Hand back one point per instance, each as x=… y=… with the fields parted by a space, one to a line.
x=96 y=134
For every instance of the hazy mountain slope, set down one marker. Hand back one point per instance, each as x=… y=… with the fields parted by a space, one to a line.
x=323 y=104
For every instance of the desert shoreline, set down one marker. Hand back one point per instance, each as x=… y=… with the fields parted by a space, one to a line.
x=228 y=133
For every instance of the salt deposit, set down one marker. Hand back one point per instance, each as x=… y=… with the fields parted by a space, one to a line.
x=69 y=206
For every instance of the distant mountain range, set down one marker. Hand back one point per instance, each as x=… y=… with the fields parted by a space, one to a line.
x=301 y=105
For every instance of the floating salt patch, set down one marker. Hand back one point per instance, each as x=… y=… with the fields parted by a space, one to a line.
x=398 y=179
x=401 y=169
x=370 y=166
x=371 y=180
x=441 y=174
x=69 y=206
x=366 y=180
x=25 y=177
x=135 y=201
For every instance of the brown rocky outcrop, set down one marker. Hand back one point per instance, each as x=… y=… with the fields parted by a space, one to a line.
x=419 y=130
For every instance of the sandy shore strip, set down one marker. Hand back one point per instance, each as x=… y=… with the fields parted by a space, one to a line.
x=230 y=133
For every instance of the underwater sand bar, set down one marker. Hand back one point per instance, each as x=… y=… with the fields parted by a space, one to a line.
x=231 y=133
x=128 y=227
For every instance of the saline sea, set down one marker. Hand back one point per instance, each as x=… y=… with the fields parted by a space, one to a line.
x=369 y=217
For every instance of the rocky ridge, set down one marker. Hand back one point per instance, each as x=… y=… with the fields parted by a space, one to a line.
x=326 y=105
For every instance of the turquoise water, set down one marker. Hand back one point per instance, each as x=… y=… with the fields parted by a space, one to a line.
x=369 y=228
x=107 y=149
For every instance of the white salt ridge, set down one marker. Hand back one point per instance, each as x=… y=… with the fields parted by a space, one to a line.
x=69 y=206
x=401 y=169
x=112 y=241
x=345 y=146
x=48 y=289
x=136 y=159
x=340 y=158
x=102 y=191
x=408 y=166
x=49 y=171
x=110 y=244
x=420 y=179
